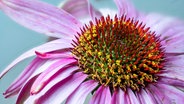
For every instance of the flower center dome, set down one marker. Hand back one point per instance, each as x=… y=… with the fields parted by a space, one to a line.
x=119 y=52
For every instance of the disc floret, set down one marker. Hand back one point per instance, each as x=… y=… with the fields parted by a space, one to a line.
x=119 y=52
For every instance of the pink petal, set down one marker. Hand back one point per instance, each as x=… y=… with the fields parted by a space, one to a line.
x=80 y=94
x=25 y=91
x=119 y=97
x=62 y=90
x=60 y=76
x=133 y=98
x=175 y=60
x=80 y=9
x=93 y=13
x=23 y=77
x=173 y=72
x=50 y=46
x=41 y=17
x=101 y=96
x=170 y=94
x=146 y=98
x=49 y=73
x=125 y=7
x=172 y=81
x=53 y=55
x=159 y=95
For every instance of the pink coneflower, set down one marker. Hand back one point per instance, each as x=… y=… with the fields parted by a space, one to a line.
x=126 y=58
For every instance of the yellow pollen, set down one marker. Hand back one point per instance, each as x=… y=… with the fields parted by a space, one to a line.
x=119 y=53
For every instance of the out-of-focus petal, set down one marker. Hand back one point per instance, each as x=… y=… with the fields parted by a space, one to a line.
x=101 y=96
x=25 y=90
x=49 y=73
x=125 y=7
x=41 y=17
x=133 y=97
x=28 y=71
x=80 y=94
x=59 y=92
x=64 y=73
x=93 y=13
x=119 y=97
x=47 y=47
x=146 y=98
x=81 y=9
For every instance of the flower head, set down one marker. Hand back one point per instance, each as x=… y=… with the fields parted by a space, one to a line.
x=126 y=58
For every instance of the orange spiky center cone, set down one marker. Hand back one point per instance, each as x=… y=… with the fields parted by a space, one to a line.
x=119 y=52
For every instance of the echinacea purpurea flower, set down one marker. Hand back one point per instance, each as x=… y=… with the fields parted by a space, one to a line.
x=128 y=58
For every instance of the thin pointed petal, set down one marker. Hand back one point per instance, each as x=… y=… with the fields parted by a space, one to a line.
x=62 y=90
x=28 y=71
x=41 y=17
x=63 y=74
x=47 y=75
x=25 y=91
x=50 y=46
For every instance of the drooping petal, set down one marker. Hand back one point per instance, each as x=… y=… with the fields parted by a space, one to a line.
x=47 y=47
x=101 y=96
x=172 y=81
x=80 y=94
x=59 y=92
x=146 y=98
x=133 y=97
x=119 y=97
x=41 y=17
x=25 y=90
x=125 y=7
x=64 y=73
x=81 y=9
x=23 y=77
x=48 y=74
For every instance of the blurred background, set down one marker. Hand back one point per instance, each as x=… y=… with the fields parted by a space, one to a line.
x=15 y=39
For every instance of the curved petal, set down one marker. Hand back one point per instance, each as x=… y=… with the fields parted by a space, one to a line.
x=101 y=96
x=42 y=17
x=59 y=92
x=125 y=7
x=172 y=81
x=80 y=94
x=64 y=73
x=170 y=94
x=25 y=91
x=173 y=72
x=119 y=97
x=49 y=73
x=47 y=47
x=93 y=13
x=53 y=55
x=23 y=77
x=146 y=98
x=81 y=9
x=133 y=98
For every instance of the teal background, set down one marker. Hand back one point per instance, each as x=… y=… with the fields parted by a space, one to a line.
x=15 y=39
